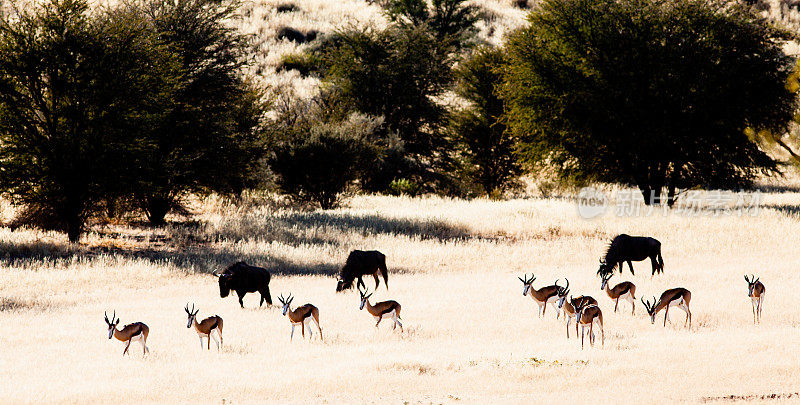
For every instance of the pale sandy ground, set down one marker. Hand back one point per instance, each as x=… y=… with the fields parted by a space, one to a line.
x=470 y=336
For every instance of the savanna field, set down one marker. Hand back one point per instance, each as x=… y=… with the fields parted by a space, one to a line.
x=470 y=335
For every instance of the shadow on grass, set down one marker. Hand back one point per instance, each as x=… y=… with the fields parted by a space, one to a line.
x=788 y=209
x=195 y=247
x=200 y=259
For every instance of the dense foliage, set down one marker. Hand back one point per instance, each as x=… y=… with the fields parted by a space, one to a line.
x=648 y=92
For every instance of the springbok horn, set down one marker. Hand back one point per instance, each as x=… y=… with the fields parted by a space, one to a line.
x=106 y=316
x=114 y=317
x=566 y=286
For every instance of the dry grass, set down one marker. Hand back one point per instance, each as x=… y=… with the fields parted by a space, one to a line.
x=470 y=334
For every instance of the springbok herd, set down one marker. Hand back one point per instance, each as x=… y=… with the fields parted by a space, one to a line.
x=583 y=308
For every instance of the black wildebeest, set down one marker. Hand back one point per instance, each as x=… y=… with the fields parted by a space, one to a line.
x=361 y=263
x=243 y=279
x=626 y=248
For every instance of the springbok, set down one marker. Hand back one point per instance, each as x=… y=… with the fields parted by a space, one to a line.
x=625 y=290
x=302 y=316
x=755 y=290
x=567 y=307
x=542 y=296
x=206 y=328
x=136 y=331
x=381 y=310
x=675 y=297
x=588 y=315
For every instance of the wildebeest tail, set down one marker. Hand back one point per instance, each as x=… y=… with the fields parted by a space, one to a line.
x=384 y=270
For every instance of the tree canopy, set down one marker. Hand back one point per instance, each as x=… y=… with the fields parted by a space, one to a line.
x=654 y=93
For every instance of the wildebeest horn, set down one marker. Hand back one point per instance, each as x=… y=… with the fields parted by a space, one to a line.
x=215 y=274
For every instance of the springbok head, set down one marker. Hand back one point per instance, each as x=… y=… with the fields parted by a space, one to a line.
x=562 y=293
x=605 y=278
x=751 y=284
x=527 y=282
x=192 y=314
x=364 y=297
x=112 y=324
x=286 y=302
x=579 y=307
x=651 y=308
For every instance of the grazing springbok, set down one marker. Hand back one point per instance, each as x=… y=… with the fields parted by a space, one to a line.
x=625 y=290
x=136 y=331
x=302 y=316
x=206 y=328
x=542 y=296
x=675 y=297
x=569 y=310
x=626 y=248
x=589 y=314
x=381 y=310
x=755 y=290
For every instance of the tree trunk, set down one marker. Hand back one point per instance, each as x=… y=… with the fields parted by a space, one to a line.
x=671 y=197
x=74 y=227
x=157 y=208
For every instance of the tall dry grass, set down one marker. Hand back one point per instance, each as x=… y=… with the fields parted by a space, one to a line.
x=470 y=334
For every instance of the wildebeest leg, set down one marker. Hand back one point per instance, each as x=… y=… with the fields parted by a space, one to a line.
x=630 y=266
x=361 y=283
x=377 y=281
x=241 y=297
x=654 y=264
x=620 y=267
x=265 y=295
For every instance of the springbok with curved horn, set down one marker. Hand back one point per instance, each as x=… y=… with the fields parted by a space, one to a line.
x=674 y=297
x=542 y=296
x=566 y=306
x=136 y=331
x=382 y=310
x=302 y=316
x=755 y=290
x=625 y=290
x=206 y=328
x=588 y=315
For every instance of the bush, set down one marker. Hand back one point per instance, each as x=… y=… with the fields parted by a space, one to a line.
x=291 y=34
x=303 y=63
x=486 y=145
x=320 y=166
x=287 y=8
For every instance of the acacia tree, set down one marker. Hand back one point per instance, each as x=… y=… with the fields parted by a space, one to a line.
x=653 y=93
x=208 y=137
x=75 y=94
x=480 y=130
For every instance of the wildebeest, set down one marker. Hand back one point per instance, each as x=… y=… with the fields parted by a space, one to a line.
x=243 y=279
x=361 y=263
x=626 y=248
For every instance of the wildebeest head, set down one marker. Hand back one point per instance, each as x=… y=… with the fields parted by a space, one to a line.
x=346 y=277
x=225 y=279
x=605 y=268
